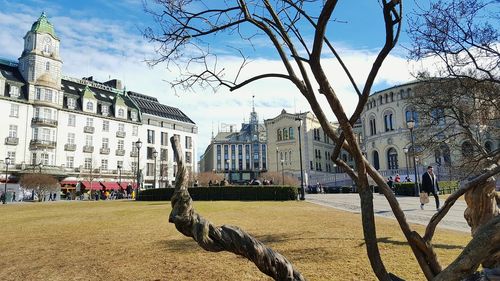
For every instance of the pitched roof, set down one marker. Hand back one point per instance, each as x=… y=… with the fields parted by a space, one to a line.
x=42 y=25
x=150 y=105
x=10 y=71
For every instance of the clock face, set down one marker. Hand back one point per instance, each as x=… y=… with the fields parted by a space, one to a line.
x=46 y=40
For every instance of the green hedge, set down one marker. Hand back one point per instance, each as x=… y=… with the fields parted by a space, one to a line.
x=216 y=193
x=408 y=188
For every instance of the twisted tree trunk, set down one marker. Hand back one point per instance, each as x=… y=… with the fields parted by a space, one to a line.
x=224 y=238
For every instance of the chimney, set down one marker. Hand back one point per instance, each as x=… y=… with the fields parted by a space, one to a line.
x=114 y=83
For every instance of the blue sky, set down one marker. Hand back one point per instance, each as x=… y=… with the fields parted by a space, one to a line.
x=102 y=38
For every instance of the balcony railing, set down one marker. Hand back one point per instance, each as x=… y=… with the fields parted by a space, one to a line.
x=88 y=129
x=43 y=122
x=34 y=144
x=88 y=148
x=120 y=152
x=120 y=134
x=11 y=140
x=133 y=153
x=70 y=147
x=104 y=150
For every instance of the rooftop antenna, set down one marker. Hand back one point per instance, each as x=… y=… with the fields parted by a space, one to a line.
x=253 y=103
x=212 y=129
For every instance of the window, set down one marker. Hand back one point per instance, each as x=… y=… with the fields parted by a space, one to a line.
x=285 y=134
x=90 y=122
x=121 y=112
x=48 y=95
x=188 y=157
x=163 y=154
x=71 y=138
x=488 y=146
x=150 y=169
x=218 y=152
x=164 y=138
x=133 y=115
x=88 y=163
x=12 y=131
x=135 y=131
x=105 y=110
x=105 y=126
x=151 y=136
x=44 y=158
x=119 y=164
x=388 y=121
x=14 y=110
x=121 y=127
x=14 y=91
x=392 y=159
x=290 y=133
x=38 y=94
x=438 y=117
x=376 y=163
x=467 y=149
x=47 y=66
x=88 y=140
x=104 y=164
x=279 y=135
x=90 y=106
x=12 y=156
x=121 y=145
x=149 y=153
x=105 y=142
x=71 y=103
x=70 y=162
x=189 y=143
x=411 y=114
x=71 y=120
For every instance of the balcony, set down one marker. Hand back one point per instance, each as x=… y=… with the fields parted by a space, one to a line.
x=104 y=150
x=70 y=147
x=43 y=122
x=37 y=144
x=120 y=152
x=120 y=134
x=88 y=148
x=11 y=140
x=133 y=153
x=88 y=129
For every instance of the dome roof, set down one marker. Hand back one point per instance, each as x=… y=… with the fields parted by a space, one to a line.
x=42 y=25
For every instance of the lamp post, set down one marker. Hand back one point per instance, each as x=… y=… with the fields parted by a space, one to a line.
x=277 y=163
x=282 y=173
x=155 y=154
x=228 y=175
x=411 y=126
x=7 y=162
x=119 y=167
x=334 y=174
x=138 y=145
x=302 y=191
x=405 y=150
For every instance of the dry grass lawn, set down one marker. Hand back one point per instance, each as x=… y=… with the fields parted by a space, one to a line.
x=126 y=240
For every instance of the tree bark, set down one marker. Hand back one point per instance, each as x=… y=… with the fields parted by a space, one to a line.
x=224 y=238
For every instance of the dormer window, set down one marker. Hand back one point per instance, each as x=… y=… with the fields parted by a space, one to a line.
x=90 y=106
x=105 y=110
x=133 y=115
x=121 y=113
x=71 y=103
x=14 y=91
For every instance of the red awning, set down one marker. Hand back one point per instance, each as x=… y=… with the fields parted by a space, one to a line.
x=111 y=185
x=95 y=185
x=63 y=183
x=125 y=184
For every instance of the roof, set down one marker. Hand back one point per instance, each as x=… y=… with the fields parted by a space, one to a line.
x=10 y=71
x=150 y=105
x=42 y=25
x=395 y=86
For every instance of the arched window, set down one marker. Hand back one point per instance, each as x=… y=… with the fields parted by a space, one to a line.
x=488 y=146
x=47 y=66
x=467 y=149
x=392 y=159
x=411 y=114
x=386 y=98
x=279 y=135
x=438 y=117
x=376 y=163
x=388 y=121
x=121 y=112
x=392 y=96
x=90 y=106
x=380 y=99
x=285 y=134
x=373 y=126
x=290 y=132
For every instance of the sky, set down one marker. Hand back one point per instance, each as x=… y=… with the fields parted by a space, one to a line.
x=103 y=39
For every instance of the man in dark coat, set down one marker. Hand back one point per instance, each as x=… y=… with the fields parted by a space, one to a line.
x=430 y=185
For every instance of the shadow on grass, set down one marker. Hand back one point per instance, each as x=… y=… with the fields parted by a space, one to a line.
x=388 y=240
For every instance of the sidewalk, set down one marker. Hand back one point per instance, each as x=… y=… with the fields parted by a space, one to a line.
x=410 y=205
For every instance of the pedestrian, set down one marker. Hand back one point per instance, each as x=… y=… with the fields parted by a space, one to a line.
x=50 y=196
x=407 y=179
x=390 y=183
x=430 y=185
x=14 y=196
x=397 y=178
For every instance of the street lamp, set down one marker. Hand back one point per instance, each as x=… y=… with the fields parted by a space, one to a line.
x=7 y=162
x=277 y=163
x=334 y=174
x=282 y=173
x=155 y=154
x=405 y=150
x=119 y=175
x=302 y=191
x=411 y=126
x=138 y=145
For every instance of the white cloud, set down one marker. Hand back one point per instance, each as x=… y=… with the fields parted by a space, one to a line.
x=113 y=49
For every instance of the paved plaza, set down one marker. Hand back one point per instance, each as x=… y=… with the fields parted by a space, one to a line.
x=410 y=205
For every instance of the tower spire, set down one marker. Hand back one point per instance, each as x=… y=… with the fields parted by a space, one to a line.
x=253 y=103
